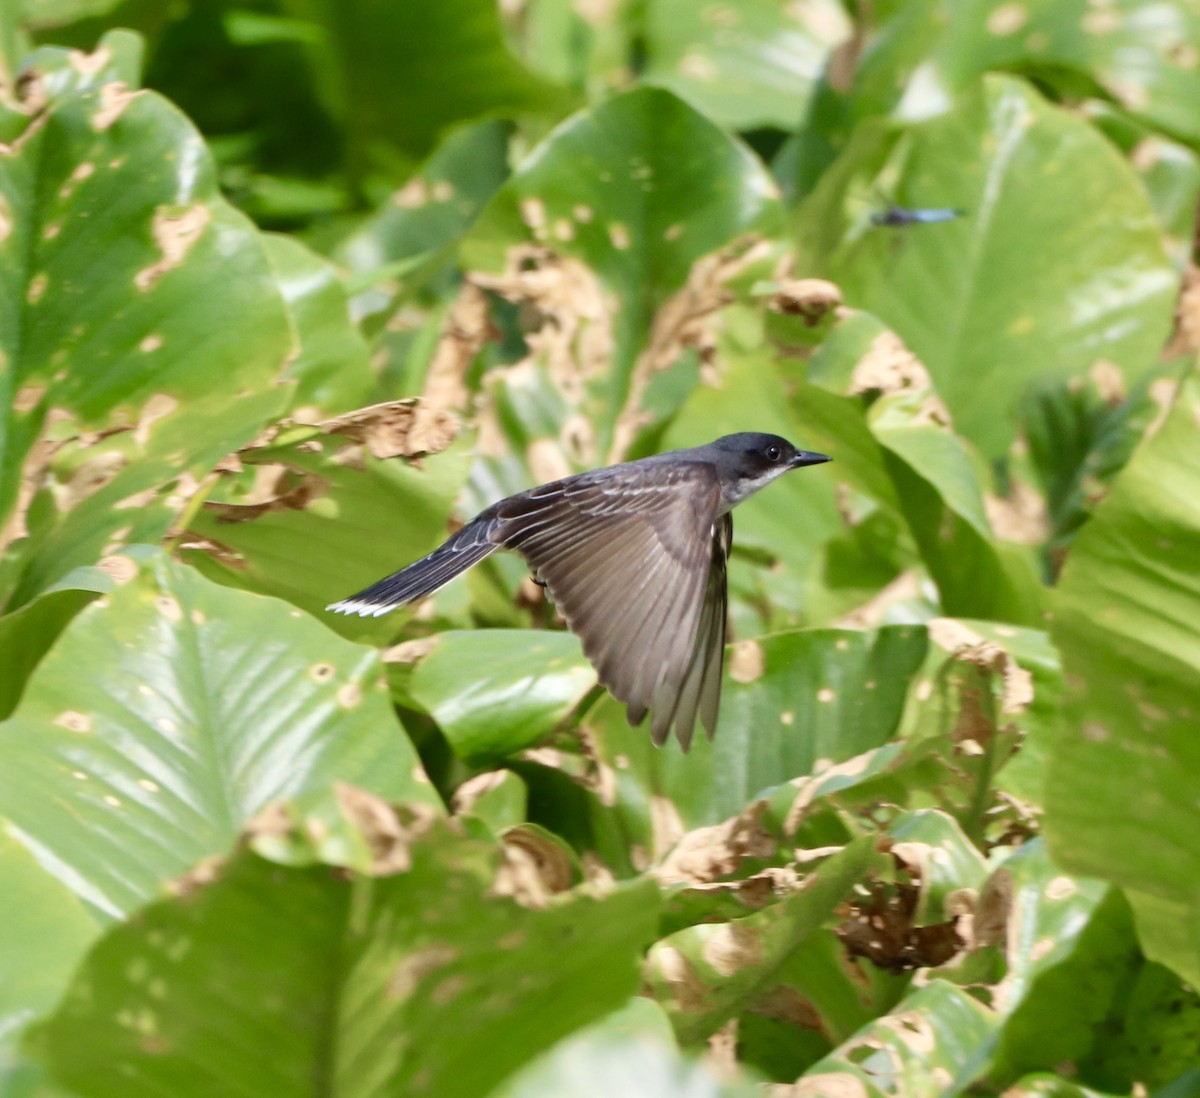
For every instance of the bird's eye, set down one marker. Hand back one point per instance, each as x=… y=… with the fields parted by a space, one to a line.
x=773 y=453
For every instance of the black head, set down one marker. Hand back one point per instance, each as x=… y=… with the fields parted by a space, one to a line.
x=756 y=453
x=752 y=459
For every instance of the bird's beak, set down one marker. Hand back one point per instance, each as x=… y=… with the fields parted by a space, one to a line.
x=809 y=457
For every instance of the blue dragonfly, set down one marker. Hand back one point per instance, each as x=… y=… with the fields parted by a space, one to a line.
x=895 y=216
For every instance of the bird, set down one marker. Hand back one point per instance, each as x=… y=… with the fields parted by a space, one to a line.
x=634 y=557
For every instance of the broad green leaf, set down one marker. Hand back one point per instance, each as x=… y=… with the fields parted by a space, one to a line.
x=1169 y=170
x=964 y=295
x=142 y=334
x=637 y=189
x=942 y=500
x=597 y=1064
x=1156 y=1038
x=26 y=636
x=168 y=714
x=1135 y=53
x=46 y=932
x=1166 y=932
x=1124 y=777
x=395 y=76
x=816 y=999
x=746 y=65
x=1047 y=911
x=1079 y=958
x=1045 y=1085
x=412 y=231
x=424 y=981
x=332 y=371
x=926 y=1047
x=705 y=974
x=871 y=406
x=494 y=692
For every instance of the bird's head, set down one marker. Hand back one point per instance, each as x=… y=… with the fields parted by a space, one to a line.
x=751 y=460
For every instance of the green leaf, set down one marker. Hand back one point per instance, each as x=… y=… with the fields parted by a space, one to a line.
x=1135 y=58
x=416 y=225
x=942 y=500
x=333 y=369
x=898 y=449
x=398 y=75
x=599 y=1064
x=964 y=295
x=934 y=1033
x=521 y=685
x=184 y=999
x=1068 y=987
x=170 y=713
x=746 y=66
x=1125 y=774
x=46 y=933
x=141 y=330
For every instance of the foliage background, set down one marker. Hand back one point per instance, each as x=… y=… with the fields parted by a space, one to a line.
x=339 y=271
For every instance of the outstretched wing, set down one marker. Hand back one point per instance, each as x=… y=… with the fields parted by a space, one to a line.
x=700 y=691
x=628 y=560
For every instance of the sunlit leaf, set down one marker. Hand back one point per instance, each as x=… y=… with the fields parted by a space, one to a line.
x=1125 y=774
x=526 y=683
x=143 y=331
x=172 y=711
x=392 y=967
x=748 y=65
x=964 y=295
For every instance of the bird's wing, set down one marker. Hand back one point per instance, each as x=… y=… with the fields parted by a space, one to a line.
x=628 y=560
x=700 y=691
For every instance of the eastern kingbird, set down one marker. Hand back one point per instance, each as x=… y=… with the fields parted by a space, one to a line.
x=634 y=557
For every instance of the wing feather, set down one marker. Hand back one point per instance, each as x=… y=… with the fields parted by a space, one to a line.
x=628 y=565
x=701 y=688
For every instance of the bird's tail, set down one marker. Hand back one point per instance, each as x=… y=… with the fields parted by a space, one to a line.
x=453 y=557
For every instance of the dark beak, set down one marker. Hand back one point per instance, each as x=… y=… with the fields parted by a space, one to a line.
x=809 y=457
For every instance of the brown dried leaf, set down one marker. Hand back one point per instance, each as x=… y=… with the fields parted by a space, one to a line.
x=1185 y=340
x=890 y=367
x=967 y=646
x=388 y=829
x=203 y=873
x=466 y=795
x=468 y=327
x=397 y=428
x=534 y=868
x=1022 y=516
x=882 y=929
x=268 y=494
x=410 y=651
x=810 y=298
x=710 y=853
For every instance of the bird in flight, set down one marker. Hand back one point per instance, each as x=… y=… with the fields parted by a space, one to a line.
x=634 y=556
